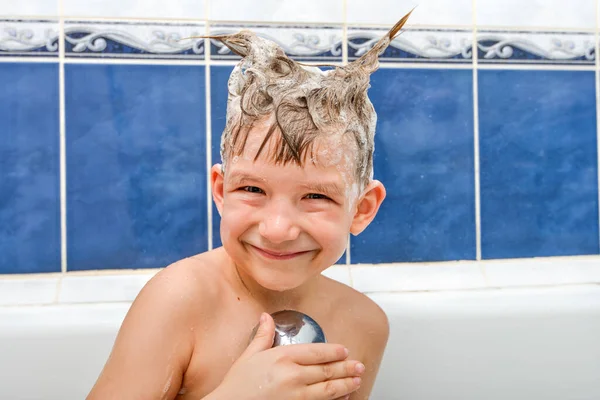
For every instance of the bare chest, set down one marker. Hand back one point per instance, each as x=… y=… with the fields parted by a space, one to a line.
x=220 y=346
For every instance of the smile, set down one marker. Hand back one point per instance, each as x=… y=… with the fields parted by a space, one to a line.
x=275 y=255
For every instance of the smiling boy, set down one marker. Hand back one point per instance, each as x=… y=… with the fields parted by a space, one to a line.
x=296 y=179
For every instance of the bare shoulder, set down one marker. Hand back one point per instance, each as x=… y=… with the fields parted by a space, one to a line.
x=190 y=282
x=156 y=332
x=357 y=308
x=363 y=326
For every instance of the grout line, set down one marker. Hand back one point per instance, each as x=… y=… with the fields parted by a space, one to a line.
x=29 y=59
x=175 y=21
x=233 y=63
x=518 y=287
x=62 y=140
x=348 y=260
x=84 y=273
x=208 y=133
x=382 y=65
x=345 y=62
x=595 y=258
x=424 y=65
x=345 y=32
x=308 y=24
x=541 y=67
x=597 y=79
x=58 y=290
x=586 y=260
x=525 y=286
x=476 y=136
x=123 y=60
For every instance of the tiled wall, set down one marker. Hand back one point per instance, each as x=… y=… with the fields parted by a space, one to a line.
x=486 y=139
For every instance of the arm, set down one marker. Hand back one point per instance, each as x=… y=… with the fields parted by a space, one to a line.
x=154 y=344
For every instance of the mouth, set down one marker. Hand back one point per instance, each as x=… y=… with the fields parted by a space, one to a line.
x=277 y=255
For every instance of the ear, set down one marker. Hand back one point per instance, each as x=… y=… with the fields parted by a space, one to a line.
x=367 y=207
x=216 y=184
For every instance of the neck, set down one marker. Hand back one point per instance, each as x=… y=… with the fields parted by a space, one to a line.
x=270 y=300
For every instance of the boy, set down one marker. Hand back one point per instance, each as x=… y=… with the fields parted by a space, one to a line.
x=296 y=179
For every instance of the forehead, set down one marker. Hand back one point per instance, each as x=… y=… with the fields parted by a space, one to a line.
x=325 y=149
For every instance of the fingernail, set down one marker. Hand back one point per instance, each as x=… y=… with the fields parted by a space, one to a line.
x=360 y=368
x=356 y=380
x=263 y=318
x=346 y=351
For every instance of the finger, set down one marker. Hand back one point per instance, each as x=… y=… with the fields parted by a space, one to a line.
x=263 y=339
x=332 y=389
x=311 y=374
x=346 y=397
x=314 y=353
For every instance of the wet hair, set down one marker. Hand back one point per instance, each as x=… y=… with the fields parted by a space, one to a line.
x=300 y=103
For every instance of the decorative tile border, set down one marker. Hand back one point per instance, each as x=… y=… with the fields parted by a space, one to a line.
x=133 y=40
x=307 y=43
x=28 y=38
x=152 y=40
x=427 y=45
x=536 y=47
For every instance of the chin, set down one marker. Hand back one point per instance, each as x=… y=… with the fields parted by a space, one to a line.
x=277 y=280
x=278 y=283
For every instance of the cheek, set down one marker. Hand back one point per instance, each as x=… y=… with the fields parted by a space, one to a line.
x=235 y=217
x=331 y=232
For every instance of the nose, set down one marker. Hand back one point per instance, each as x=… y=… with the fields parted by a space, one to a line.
x=278 y=224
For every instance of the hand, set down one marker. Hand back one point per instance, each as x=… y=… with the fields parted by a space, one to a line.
x=317 y=371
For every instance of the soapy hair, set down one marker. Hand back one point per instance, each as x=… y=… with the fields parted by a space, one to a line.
x=300 y=103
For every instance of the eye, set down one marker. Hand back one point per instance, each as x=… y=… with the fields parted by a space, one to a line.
x=252 y=189
x=317 y=196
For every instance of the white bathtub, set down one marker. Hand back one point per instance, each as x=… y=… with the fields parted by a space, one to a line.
x=519 y=343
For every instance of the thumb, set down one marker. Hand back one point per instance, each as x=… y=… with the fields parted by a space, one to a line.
x=261 y=337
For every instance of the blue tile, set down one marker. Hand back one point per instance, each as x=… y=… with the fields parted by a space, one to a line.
x=136 y=169
x=539 y=194
x=424 y=156
x=218 y=84
x=29 y=168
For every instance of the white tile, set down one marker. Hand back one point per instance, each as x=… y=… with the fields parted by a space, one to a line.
x=574 y=14
x=164 y=40
x=427 y=12
x=339 y=273
x=31 y=38
x=28 y=8
x=18 y=292
x=542 y=272
x=330 y=11
x=306 y=43
x=447 y=276
x=570 y=47
x=175 y=9
x=426 y=44
x=102 y=288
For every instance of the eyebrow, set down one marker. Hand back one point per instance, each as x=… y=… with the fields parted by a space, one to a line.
x=237 y=178
x=329 y=188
